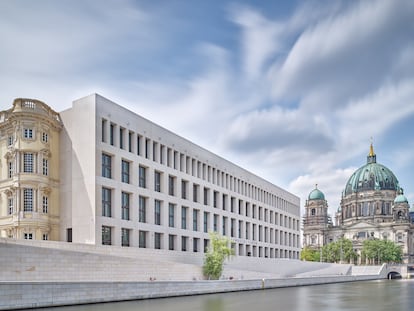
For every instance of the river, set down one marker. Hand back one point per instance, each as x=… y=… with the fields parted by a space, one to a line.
x=383 y=295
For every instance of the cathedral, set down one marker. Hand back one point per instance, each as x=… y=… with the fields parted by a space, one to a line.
x=373 y=205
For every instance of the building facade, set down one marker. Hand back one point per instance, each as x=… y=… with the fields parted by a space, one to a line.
x=123 y=180
x=373 y=205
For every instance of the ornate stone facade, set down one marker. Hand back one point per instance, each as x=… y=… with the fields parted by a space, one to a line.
x=372 y=206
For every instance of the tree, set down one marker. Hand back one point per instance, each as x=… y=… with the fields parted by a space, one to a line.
x=339 y=251
x=218 y=251
x=310 y=254
x=378 y=251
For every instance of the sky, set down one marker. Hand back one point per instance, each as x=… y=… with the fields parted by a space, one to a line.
x=293 y=91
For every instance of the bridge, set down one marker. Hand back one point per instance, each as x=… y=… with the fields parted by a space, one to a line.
x=398 y=271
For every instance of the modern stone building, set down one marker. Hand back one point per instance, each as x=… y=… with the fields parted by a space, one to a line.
x=372 y=206
x=112 y=177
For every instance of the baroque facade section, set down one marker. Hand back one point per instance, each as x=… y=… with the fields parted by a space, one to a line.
x=373 y=206
x=29 y=171
x=115 y=178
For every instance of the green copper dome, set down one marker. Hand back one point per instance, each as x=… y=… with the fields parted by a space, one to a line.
x=316 y=194
x=401 y=198
x=371 y=176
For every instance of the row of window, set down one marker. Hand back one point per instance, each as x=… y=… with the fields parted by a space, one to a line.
x=29 y=165
x=29 y=134
x=28 y=202
x=29 y=236
x=142 y=146
x=222 y=201
x=158 y=241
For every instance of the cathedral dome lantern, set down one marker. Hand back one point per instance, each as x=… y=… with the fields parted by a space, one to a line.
x=371 y=176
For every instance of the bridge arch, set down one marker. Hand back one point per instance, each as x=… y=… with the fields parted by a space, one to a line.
x=392 y=275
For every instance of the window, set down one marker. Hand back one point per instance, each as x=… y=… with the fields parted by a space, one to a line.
x=28 y=200
x=171 y=215
x=157 y=212
x=130 y=135
x=111 y=134
x=215 y=196
x=142 y=172
x=125 y=237
x=45 y=137
x=215 y=222
x=171 y=183
x=103 y=131
x=106 y=235
x=195 y=220
x=28 y=236
x=10 y=206
x=121 y=138
x=125 y=171
x=171 y=240
x=45 y=237
x=147 y=148
x=125 y=206
x=10 y=169
x=196 y=241
x=28 y=133
x=106 y=202
x=205 y=222
x=106 y=165
x=206 y=195
x=184 y=189
x=183 y=217
x=184 y=241
x=69 y=235
x=142 y=209
x=195 y=193
x=157 y=181
x=10 y=140
x=28 y=163
x=45 y=167
x=45 y=204
x=224 y=225
x=142 y=239
x=157 y=240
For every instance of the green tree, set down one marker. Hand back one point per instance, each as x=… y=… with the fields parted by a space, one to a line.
x=218 y=251
x=310 y=254
x=379 y=251
x=339 y=251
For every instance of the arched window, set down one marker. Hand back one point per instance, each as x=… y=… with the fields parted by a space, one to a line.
x=313 y=212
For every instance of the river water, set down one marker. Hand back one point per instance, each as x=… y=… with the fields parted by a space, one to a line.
x=383 y=295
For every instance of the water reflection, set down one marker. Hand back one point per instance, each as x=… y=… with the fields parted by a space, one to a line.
x=381 y=295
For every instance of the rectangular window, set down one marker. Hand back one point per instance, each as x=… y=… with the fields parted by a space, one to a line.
x=147 y=148
x=28 y=200
x=103 y=130
x=125 y=237
x=45 y=167
x=142 y=177
x=157 y=240
x=130 y=135
x=125 y=171
x=215 y=222
x=69 y=235
x=206 y=195
x=195 y=193
x=195 y=220
x=142 y=239
x=10 y=206
x=171 y=215
x=28 y=163
x=183 y=217
x=125 y=206
x=196 y=241
x=171 y=183
x=28 y=133
x=106 y=202
x=142 y=209
x=106 y=235
x=184 y=241
x=45 y=137
x=111 y=134
x=45 y=204
x=157 y=212
x=106 y=165
x=157 y=181
x=45 y=237
x=171 y=242
x=10 y=171
x=121 y=138
x=215 y=198
x=28 y=236
x=184 y=189
x=224 y=225
x=205 y=222
x=139 y=148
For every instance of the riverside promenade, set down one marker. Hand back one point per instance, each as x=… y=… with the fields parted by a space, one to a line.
x=45 y=273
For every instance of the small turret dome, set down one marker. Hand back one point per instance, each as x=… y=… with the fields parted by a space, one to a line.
x=316 y=194
x=401 y=198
